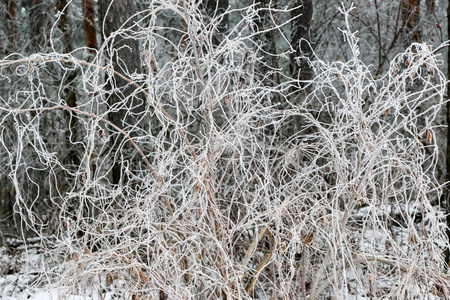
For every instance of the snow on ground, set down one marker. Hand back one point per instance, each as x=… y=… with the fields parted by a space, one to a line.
x=21 y=269
x=53 y=294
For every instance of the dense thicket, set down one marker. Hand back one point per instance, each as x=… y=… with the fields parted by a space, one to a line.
x=227 y=149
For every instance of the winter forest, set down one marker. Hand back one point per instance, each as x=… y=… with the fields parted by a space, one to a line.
x=224 y=149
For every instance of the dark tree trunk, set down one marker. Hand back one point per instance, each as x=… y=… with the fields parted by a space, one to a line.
x=7 y=197
x=268 y=40
x=446 y=195
x=89 y=24
x=71 y=134
x=10 y=16
x=301 y=25
x=113 y=14
x=63 y=26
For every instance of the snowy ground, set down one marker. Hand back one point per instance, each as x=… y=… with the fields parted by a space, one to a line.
x=21 y=268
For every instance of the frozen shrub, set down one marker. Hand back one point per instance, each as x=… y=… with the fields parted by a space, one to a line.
x=233 y=185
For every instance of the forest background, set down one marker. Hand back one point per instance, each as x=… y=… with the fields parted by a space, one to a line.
x=227 y=149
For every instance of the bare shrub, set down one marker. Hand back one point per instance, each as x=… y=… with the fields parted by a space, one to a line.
x=216 y=198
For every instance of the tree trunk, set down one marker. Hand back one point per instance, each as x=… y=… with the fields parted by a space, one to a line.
x=89 y=25
x=113 y=14
x=10 y=16
x=71 y=133
x=446 y=195
x=300 y=30
x=268 y=39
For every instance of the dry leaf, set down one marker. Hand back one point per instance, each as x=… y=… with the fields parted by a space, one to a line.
x=308 y=238
x=429 y=136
